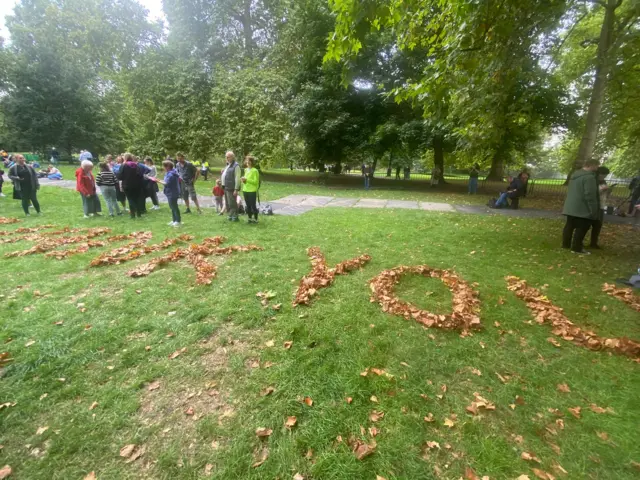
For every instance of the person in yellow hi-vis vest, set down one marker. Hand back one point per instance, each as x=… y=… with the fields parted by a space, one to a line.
x=250 y=186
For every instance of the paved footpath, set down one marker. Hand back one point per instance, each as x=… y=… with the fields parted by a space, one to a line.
x=294 y=205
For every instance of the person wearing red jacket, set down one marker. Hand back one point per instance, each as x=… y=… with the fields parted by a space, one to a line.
x=86 y=185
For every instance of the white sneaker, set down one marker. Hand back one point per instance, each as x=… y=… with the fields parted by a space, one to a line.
x=171 y=224
x=2 y=195
x=86 y=216
x=155 y=207
x=176 y=224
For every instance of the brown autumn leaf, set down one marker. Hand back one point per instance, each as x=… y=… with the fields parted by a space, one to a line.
x=429 y=418
x=93 y=405
x=189 y=411
x=469 y=474
x=269 y=343
x=603 y=436
x=290 y=422
x=374 y=399
x=349 y=400
x=298 y=476
x=575 y=411
x=449 y=423
x=288 y=344
x=153 y=386
x=90 y=476
x=308 y=401
x=41 y=430
x=554 y=342
x=263 y=432
x=260 y=456
x=443 y=388
x=373 y=431
x=523 y=477
x=29 y=343
x=563 y=387
x=362 y=449
x=177 y=353
x=542 y=474
x=519 y=439
x=208 y=468
x=520 y=400
x=127 y=450
x=555 y=448
x=148 y=348
x=267 y=391
x=596 y=409
x=431 y=445
x=380 y=477
x=5 y=472
x=559 y=469
x=376 y=416
x=529 y=457
x=477 y=372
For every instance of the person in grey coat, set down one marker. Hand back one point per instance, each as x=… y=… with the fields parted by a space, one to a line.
x=25 y=184
x=232 y=183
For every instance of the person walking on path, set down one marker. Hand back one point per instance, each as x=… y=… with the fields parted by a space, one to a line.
x=603 y=191
x=189 y=174
x=251 y=184
x=473 y=179
x=232 y=183
x=25 y=184
x=581 y=206
x=86 y=185
x=132 y=178
x=107 y=182
x=151 y=187
x=171 y=190
x=218 y=195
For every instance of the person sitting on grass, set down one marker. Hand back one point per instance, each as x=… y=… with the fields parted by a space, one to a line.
x=515 y=190
x=172 y=190
x=86 y=185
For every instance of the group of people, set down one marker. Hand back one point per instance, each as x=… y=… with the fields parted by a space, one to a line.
x=129 y=180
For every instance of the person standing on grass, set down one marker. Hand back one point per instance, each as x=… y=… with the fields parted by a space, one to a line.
x=120 y=196
x=25 y=184
x=581 y=206
x=189 y=174
x=251 y=184
x=204 y=170
x=473 y=179
x=218 y=195
x=603 y=191
x=366 y=172
x=171 y=190
x=232 y=183
x=151 y=187
x=132 y=178
x=107 y=182
x=86 y=185
x=85 y=155
x=634 y=188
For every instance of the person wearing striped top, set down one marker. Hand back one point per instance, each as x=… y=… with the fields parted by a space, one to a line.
x=107 y=181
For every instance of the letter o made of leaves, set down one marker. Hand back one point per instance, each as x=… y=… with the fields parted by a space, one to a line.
x=465 y=300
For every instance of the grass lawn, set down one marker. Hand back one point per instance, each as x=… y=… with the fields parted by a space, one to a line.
x=103 y=377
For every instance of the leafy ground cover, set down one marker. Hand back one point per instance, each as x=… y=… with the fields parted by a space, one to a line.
x=202 y=381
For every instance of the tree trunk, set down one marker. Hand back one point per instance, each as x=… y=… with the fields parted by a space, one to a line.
x=438 y=156
x=496 y=173
x=389 y=167
x=599 y=86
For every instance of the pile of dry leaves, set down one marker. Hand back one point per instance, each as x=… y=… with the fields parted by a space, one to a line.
x=7 y=221
x=195 y=255
x=28 y=234
x=624 y=294
x=321 y=276
x=546 y=312
x=135 y=249
x=465 y=299
x=44 y=242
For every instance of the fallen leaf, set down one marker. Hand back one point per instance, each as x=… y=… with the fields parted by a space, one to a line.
x=429 y=418
x=309 y=454
x=555 y=448
x=298 y=476
x=379 y=477
x=376 y=416
x=469 y=474
x=558 y=469
x=60 y=323
x=90 y=476
x=308 y=401
x=127 y=450
x=575 y=411
x=596 y=409
x=374 y=399
x=41 y=430
x=153 y=385
x=519 y=439
x=373 y=431
x=290 y=422
x=260 y=457
x=148 y=348
x=404 y=364
x=43 y=396
x=433 y=445
x=523 y=477
x=553 y=342
x=189 y=411
x=29 y=343
x=270 y=343
x=263 y=432
x=207 y=469
x=477 y=372
x=288 y=344
x=5 y=472
x=267 y=391
x=603 y=436
x=349 y=400
x=93 y=405
x=449 y=423
x=361 y=449
x=177 y=353
x=529 y=457
x=563 y=387
x=520 y=400
x=542 y=474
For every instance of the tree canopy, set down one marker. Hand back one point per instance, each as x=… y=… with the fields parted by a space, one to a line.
x=398 y=83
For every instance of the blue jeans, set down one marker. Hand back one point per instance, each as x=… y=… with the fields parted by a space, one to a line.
x=367 y=182
x=473 y=185
x=502 y=200
x=175 y=211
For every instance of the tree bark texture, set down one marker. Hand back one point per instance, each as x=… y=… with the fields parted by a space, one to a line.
x=438 y=155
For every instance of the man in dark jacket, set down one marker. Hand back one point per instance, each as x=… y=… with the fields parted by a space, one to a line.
x=25 y=184
x=581 y=207
x=634 y=187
